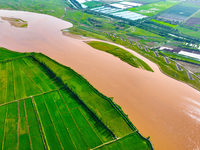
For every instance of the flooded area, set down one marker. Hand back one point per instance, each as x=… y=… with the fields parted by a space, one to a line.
x=160 y=107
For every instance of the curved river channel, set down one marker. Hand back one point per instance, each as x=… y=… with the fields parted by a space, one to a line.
x=160 y=107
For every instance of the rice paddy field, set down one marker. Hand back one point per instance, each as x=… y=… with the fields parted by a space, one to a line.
x=45 y=105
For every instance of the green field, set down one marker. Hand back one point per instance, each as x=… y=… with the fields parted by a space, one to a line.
x=51 y=7
x=196 y=15
x=120 y=53
x=153 y=8
x=148 y=1
x=6 y=54
x=191 y=4
x=164 y=23
x=91 y=4
x=21 y=78
x=141 y=32
x=189 y=32
x=45 y=105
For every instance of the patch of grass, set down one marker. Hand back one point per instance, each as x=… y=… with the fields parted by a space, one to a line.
x=164 y=23
x=120 y=53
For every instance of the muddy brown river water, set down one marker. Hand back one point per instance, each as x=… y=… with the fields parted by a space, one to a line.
x=160 y=107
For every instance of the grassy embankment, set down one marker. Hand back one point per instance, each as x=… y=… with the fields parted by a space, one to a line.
x=45 y=105
x=120 y=53
x=6 y=54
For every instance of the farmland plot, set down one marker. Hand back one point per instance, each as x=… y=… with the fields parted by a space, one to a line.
x=93 y=3
x=75 y=127
x=191 y=4
x=189 y=32
x=153 y=8
x=194 y=22
x=129 y=142
x=75 y=124
x=19 y=129
x=179 y=13
x=196 y=15
x=22 y=78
